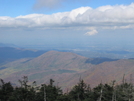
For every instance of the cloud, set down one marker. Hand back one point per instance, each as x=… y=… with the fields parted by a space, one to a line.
x=118 y=16
x=92 y=32
x=47 y=4
x=52 y=4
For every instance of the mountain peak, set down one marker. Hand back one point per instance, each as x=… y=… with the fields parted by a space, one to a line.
x=60 y=54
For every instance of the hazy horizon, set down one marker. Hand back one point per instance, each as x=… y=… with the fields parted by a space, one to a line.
x=63 y=24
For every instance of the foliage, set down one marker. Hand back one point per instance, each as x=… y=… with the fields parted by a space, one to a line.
x=80 y=92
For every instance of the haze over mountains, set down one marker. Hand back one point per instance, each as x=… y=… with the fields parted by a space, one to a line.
x=8 y=54
x=65 y=68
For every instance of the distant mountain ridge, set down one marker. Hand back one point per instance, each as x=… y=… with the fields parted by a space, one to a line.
x=97 y=61
x=66 y=68
x=8 y=54
x=7 y=45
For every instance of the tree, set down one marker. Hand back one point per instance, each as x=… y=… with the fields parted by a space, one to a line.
x=6 y=90
x=103 y=92
x=50 y=92
x=25 y=92
x=125 y=92
x=80 y=92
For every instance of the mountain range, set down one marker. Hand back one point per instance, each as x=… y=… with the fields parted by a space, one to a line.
x=8 y=54
x=67 y=68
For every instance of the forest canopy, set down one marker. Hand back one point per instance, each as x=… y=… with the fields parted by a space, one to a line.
x=80 y=92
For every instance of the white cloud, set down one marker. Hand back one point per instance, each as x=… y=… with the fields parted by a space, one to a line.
x=118 y=16
x=92 y=32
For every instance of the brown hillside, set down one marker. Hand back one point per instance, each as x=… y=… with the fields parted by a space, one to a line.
x=107 y=72
x=66 y=68
x=53 y=64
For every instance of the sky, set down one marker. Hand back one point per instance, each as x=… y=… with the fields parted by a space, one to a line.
x=63 y=23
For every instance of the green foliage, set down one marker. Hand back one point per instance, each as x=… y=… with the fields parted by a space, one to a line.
x=103 y=92
x=49 y=92
x=125 y=92
x=80 y=92
x=6 y=90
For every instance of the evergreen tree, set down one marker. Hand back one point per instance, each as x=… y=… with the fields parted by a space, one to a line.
x=49 y=92
x=6 y=90
x=103 y=92
x=125 y=92
x=25 y=92
x=80 y=91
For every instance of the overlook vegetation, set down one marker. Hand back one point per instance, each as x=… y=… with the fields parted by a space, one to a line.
x=80 y=92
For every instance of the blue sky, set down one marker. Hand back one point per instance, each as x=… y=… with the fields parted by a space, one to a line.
x=67 y=22
x=15 y=8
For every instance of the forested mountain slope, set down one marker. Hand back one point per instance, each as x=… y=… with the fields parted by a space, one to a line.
x=67 y=68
